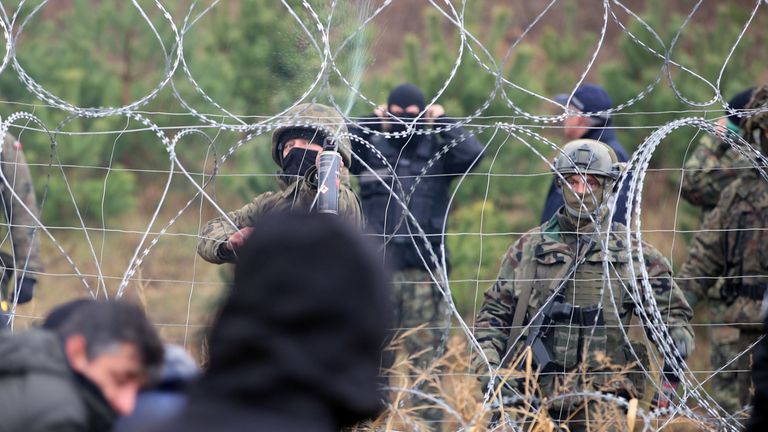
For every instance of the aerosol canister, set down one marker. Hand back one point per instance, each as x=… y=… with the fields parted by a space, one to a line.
x=328 y=178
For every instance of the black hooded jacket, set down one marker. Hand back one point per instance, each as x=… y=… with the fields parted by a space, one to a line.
x=425 y=166
x=297 y=344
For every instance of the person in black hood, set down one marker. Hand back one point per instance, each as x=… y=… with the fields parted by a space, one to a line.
x=423 y=159
x=297 y=343
x=426 y=156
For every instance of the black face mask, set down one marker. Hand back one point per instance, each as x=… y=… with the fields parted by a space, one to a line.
x=397 y=127
x=296 y=163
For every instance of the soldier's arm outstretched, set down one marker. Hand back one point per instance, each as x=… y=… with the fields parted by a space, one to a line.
x=212 y=245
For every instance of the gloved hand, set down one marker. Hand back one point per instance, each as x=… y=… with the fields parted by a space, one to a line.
x=683 y=339
x=228 y=249
x=25 y=288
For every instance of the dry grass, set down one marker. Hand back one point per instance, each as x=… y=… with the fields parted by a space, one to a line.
x=461 y=401
x=178 y=289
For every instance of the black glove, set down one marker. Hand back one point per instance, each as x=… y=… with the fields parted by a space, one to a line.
x=25 y=287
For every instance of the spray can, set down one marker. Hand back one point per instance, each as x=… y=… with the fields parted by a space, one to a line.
x=328 y=178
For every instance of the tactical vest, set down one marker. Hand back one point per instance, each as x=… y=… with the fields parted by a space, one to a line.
x=587 y=290
x=592 y=337
x=746 y=255
x=428 y=204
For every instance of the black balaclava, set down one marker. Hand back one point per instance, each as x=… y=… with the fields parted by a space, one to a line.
x=404 y=96
x=296 y=164
x=299 y=160
x=301 y=333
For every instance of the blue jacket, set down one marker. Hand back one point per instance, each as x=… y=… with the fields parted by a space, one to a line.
x=555 y=195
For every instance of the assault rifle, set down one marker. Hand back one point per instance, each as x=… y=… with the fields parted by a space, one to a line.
x=543 y=360
x=556 y=310
x=538 y=330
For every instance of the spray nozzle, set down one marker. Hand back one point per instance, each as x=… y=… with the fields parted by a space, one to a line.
x=329 y=144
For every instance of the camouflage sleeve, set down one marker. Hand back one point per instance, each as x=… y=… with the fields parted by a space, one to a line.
x=216 y=232
x=493 y=322
x=706 y=257
x=23 y=228
x=712 y=166
x=672 y=304
x=350 y=207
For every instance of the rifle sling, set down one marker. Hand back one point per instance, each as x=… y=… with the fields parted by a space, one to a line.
x=525 y=295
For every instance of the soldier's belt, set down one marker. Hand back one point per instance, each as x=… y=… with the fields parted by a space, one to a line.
x=729 y=292
x=578 y=315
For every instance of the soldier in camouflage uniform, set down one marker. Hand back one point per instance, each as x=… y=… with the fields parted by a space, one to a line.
x=714 y=165
x=731 y=246
x=539 y=265
x=295 y=149
x=21 y=222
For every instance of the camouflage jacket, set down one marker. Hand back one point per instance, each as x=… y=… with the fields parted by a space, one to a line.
x=713 y=165
x=537 y=259
x=25 y=237
x=732 y=241
x=298 y=196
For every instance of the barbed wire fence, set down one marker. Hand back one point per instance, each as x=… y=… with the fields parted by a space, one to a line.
x=227 y=133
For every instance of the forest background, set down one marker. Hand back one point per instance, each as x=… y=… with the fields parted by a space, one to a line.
x=104 y=178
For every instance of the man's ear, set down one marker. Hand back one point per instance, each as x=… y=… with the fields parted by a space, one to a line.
x=77 y=354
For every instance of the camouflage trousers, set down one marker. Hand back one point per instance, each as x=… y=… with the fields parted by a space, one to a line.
x=730 y=387
x=420 y=312
x=420 y=320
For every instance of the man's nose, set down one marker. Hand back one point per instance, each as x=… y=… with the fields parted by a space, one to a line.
x=124 y=402
x=579 y=186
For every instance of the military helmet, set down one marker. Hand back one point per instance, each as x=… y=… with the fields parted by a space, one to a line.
x=587 y=156
x=326 y=121
x=754 y=126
